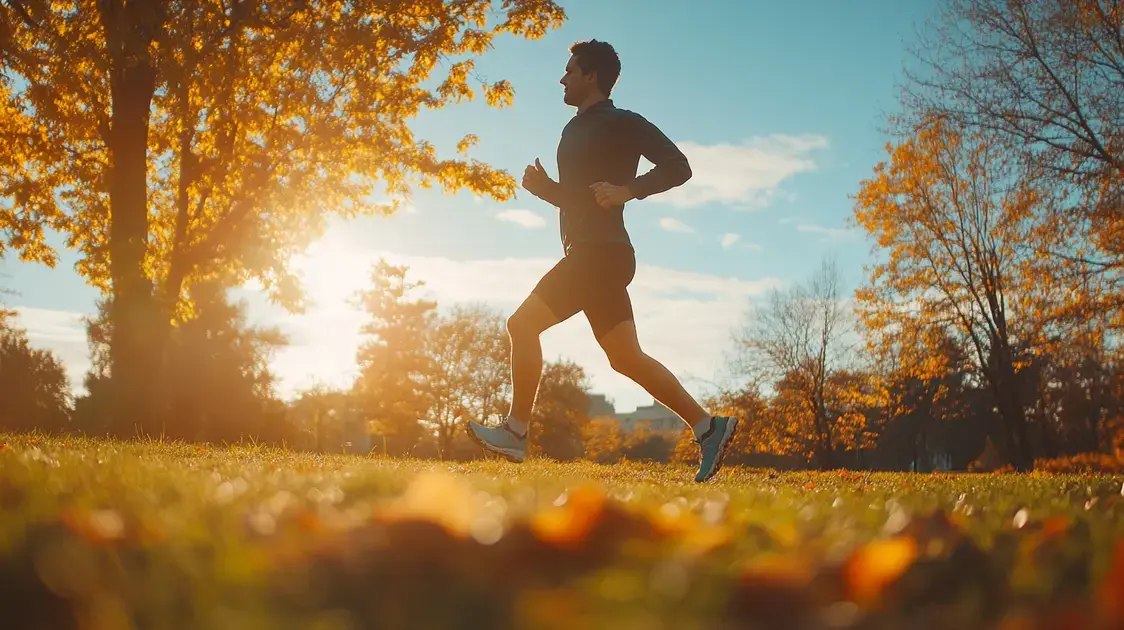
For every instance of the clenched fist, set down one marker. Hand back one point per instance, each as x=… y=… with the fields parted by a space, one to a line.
x=609 y=195
x=535 y=179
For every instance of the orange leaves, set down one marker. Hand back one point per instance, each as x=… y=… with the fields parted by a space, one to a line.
x=99 y=527
x=957 y=225
x=110 y=527
x=570 y=524
x=873 y=566
x=494 y=547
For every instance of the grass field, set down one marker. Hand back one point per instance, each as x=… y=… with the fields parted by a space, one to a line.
x=100 y=535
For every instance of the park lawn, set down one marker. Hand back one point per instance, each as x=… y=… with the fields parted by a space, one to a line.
x=104 y=534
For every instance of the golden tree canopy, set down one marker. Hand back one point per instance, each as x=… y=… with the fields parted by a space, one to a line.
x=268 y=116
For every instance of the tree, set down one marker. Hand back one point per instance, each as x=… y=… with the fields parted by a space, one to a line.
x=219 y=385
x=468 y=379
x=1070 y=394
x=755 y=431
x=252 y=122
x=642 y=444
x=33 y=385
x=601 y=440
x=957 y=222
x=799 y=342
x=394 y=361
x=561 y=411
x=930 y=386
x=816 y=423
x=1047 y=79
x=321 y=418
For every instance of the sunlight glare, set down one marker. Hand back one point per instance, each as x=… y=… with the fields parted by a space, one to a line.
x=327 y=335
x=331 y=273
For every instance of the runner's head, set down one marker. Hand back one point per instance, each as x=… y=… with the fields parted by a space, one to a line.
x=592 y=70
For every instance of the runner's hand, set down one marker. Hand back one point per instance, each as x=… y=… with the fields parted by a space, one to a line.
x=535 y=179
x=609 y=195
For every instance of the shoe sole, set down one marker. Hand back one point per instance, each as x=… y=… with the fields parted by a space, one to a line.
x=493 y=449
x=721 y=451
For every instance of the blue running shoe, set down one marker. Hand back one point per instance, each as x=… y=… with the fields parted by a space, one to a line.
x=712 y=445
x=501 y=439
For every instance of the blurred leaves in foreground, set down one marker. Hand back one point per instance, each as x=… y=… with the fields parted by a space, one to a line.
x=107 y=535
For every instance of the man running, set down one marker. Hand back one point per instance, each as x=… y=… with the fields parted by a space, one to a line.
x=598 y=155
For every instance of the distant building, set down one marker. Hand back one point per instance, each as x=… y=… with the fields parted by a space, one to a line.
x=658 y=417
x=600 y=406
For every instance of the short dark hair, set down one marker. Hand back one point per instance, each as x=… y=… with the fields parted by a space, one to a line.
x=599 y=57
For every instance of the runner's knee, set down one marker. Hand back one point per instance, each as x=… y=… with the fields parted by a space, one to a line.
x=529 y=320
x=626 y=361
x=521 y=326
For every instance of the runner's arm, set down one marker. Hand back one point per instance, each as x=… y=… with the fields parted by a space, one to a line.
x=551 y=192
x=670 y=169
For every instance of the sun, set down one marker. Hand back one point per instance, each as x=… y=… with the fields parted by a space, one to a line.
x=327 y=335
x=332 y=272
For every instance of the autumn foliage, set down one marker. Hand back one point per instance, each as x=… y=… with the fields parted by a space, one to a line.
x=188 y=141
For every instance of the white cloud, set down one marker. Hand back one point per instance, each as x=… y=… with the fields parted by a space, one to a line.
x=63 y=333
x=671 y=224
x=829 y=234
x=731 y=240
x=746 y=175
x=519 y=216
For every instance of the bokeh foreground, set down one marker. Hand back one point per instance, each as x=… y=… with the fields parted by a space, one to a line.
x=106 y=535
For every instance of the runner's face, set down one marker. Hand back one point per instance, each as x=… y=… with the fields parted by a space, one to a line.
x=577 y=86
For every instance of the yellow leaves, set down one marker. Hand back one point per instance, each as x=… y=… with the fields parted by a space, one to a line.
x=280 y=137
x=533 y=18
x=440 y=497
x=455 y=85
x=466 y=143
x=499 y=94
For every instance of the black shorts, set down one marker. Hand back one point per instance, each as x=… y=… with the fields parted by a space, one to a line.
x=593 y=279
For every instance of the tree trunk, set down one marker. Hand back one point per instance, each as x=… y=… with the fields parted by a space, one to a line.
x=445 y=441
x=826 y=456
x=133 y=309
x=826 y=450
x=129 y=32
x=1096 y=408
x=1010 y=411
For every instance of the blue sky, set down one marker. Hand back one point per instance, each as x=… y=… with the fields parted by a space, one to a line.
x=778 y=106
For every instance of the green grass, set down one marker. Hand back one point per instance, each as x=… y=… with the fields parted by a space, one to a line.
x=159 y=535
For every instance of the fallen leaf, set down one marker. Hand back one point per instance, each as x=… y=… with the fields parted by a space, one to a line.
x=874 y=566
x=570 y=524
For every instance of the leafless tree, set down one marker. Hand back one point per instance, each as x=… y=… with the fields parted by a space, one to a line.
x=803 y=338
